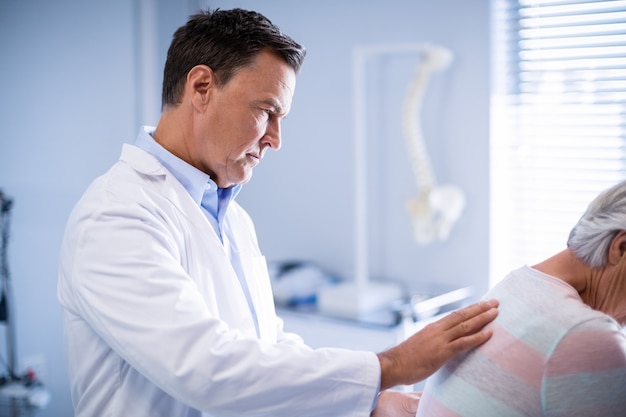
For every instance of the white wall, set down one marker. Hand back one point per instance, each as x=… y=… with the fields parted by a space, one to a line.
x=71 y=98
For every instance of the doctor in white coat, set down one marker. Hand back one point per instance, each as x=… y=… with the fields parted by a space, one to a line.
x=168 y=309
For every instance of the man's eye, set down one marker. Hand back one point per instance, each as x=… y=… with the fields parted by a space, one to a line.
x=268 y=113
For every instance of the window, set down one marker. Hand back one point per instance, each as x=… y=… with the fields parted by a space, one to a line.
x=558 y=121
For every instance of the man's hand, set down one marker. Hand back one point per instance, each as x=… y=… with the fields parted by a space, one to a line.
x=427 y=350
x=397 y=404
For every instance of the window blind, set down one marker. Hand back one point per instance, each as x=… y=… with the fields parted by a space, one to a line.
x=558 y=121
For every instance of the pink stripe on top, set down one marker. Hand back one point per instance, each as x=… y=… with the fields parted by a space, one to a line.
x=512 y=355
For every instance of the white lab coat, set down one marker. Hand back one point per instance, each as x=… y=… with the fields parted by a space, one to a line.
x=156 y=322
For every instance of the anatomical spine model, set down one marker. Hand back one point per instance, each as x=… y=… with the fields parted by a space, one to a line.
x=437 y=207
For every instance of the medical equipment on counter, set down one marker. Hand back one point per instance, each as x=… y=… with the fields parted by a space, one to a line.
x=296 y=283
x=376 y=331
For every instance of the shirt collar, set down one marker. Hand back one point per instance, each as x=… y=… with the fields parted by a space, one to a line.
x=202 y=189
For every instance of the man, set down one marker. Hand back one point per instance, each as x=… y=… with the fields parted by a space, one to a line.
x=168 y=308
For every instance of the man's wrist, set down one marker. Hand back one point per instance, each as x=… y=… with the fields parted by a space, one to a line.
x=387 y=370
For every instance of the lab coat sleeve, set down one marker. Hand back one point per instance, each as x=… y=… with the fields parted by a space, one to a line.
x=286 y=337
x=124 y=277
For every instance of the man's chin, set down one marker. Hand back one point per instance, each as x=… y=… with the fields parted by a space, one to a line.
x=244 y=180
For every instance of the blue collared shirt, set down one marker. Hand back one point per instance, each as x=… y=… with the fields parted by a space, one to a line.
x=205 y=192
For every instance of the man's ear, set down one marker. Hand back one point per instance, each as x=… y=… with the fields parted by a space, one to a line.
x=617 y=250
x=200 y=81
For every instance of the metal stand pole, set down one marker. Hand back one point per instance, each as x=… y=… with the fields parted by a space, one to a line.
x=5 y=211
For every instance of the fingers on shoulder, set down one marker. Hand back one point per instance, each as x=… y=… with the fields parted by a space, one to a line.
x=467 y=318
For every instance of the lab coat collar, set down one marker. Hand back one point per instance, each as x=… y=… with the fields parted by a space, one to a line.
x=146 y=164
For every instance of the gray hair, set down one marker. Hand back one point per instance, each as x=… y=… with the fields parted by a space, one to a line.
x=591 y=237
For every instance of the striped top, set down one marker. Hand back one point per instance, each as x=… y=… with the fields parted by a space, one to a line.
x=550 y=355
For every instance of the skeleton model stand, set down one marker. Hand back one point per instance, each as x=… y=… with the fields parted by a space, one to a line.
x=6 y=299
x=20 y=394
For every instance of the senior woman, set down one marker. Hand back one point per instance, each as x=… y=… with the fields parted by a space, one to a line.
x=558 y=346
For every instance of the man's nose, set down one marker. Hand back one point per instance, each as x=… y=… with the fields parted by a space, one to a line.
x=272 y=135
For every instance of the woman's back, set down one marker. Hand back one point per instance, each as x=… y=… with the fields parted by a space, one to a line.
x=550 y=355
